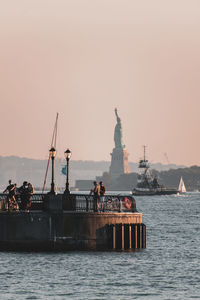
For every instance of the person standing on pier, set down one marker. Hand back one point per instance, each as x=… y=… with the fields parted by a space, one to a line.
x=29 y=195
x=11 y=189
x=96 y=192
x=23 y=192
x=102 y=194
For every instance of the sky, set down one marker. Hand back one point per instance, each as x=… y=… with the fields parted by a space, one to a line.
x=83 y=58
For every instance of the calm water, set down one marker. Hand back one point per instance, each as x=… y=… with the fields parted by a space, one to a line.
x=168 y=269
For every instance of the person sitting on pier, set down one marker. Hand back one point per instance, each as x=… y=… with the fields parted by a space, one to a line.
x=96 y=192
x=11 y=189
x=102 y=194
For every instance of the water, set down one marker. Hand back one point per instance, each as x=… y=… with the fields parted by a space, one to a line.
x=167 y=269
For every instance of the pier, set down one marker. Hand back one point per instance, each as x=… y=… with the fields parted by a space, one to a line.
x=72 y=222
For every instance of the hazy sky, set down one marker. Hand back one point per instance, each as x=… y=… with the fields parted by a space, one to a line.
x=83 y=58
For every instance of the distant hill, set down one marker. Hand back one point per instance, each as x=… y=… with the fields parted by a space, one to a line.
x=169 y=178
x=19 y=169
x=191 y=177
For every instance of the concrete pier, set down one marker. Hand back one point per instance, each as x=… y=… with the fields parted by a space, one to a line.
x=56 y=229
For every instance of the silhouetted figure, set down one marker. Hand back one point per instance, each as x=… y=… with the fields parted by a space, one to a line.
x=96 y=192
x=23 y=192
x=102 y=194
x=11 y=189
x=29 y=195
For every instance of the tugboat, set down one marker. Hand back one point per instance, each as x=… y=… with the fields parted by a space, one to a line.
x=147 y=184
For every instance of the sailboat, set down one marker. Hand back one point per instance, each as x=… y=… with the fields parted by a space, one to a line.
x=182 y=188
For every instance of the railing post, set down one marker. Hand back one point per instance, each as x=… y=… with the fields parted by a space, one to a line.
x=120 y=205
x=8 y=200
x=87 y=203
x=133 y=205
x=95 y=203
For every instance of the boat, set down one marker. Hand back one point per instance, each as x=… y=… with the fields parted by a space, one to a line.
x=181 y=187
x=147 y=184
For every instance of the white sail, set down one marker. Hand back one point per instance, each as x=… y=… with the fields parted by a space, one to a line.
x=182 y=188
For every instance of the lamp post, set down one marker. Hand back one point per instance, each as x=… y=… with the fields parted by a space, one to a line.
x=52 y=152
x=67 y=156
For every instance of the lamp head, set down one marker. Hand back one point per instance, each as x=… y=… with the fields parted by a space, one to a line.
x=67 y=154
x=52 y=152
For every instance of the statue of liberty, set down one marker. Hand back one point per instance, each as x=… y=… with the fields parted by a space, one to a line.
x=118 y=132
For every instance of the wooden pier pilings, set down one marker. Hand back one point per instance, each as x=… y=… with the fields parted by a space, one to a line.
x=127 y=236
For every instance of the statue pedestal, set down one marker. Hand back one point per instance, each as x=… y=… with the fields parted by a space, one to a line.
x=119 y=162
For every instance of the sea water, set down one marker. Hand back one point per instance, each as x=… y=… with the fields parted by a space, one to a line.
x=169 y=268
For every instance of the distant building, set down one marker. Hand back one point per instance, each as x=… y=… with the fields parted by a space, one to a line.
x=119 y=156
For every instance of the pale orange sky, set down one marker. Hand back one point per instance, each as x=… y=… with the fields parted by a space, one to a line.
x=83 y=58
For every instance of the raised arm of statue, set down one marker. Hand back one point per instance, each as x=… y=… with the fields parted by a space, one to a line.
x=117 y=116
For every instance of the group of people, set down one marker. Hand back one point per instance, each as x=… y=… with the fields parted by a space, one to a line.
x=99 y=195
x=23 y=193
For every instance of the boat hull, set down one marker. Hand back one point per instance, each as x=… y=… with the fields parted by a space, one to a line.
x=137 y=192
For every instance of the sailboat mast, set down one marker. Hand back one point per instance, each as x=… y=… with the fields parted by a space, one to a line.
x=54 y=139
x=53 y=144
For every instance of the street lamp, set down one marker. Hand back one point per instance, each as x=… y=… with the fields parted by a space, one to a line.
x=52 y=152
x=67 y=156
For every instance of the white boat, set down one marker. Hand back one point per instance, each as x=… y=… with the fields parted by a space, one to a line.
x=181 y=187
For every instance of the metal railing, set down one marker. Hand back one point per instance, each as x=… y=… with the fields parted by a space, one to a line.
x=79 y=203
x=111 y=203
